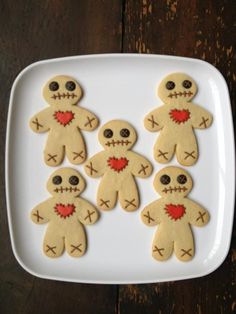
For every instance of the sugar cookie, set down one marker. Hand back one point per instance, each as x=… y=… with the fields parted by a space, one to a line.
x=118 y=165
x=65 y=212
x=63 y=120
x=174 y=213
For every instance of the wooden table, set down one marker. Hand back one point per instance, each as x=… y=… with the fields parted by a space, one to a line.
x=36 y=30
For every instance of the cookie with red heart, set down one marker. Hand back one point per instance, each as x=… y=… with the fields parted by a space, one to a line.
x=176 y=120
x=64 y=120
x=174 y=212
x=118 y=165
x=66 y=213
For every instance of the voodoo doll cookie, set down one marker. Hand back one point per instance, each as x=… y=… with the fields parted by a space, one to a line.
x=174 y=213
x=176 y=119
x=117 y=165
x=63 y=119
x=65 y=213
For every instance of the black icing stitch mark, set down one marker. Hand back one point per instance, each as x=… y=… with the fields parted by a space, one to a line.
x=76 y=248
x=191 y=154
x=162 y=154
x=185 y=94
x=52 y=157
x=130 y=203
x=104 y=202
x=158 y=250
x=153 y=122
x=51 y=249
x=175 y=189
x=38 y=216
x=89 y=122
x=143 y=169
x=201 y=216
x=204 y=122
x=90 y=167
x=63 y=95
x=38 y=125
x=80 y=154
x=114 y=143
x=149 y=217
x=89 y=215
x=186 y=252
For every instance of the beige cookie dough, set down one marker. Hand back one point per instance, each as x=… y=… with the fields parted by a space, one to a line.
x=65 y=212
x=174 y=213
x=63 y=120
x=117 y=165
x=176 y=120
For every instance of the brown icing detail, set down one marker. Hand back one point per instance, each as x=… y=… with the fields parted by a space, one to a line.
x=38 y=216
x=89 y=122
x=162 y=154
x=175 y=189
x=64 y=210
x=64 y=95
x=153 y=122
x=201 y=215
x=90 y=167
x=80 y=154
x=130 y=203
x=117 y=164
x=66 y=189
x=189 y=155
x=175 y=212
x=52 y=157
x=114 y=143
x=51 y=249
x=149 y=217
x=75 y=248
x=38 y=125
x=89 y=215
x=186 y=252
x=64 y=117
x=104 y=203
x=143 y=169
x=185 y=94
x=204 y=122
x=158 y=250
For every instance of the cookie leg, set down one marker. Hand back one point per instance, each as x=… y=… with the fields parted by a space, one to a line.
x=53 y=244
x=75 y=149
x=187 y=150
x=128 y=194
x=164 y=148
x=162 y=246
x=54 y=151
x=106 y=195
x=184 y=246
x=75 y=241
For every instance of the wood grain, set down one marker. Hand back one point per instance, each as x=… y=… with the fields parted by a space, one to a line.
x=35 y=30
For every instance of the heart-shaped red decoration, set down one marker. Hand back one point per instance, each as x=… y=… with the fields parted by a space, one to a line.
x=117 y=164
x=179 y=116
x=64 y=117
x=64 y=210
x=175 y=211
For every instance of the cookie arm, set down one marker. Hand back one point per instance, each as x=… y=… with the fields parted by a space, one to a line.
x=198 y=216
x=154 y=120
x=96 y=166
x=200 y=117
x=39 y=123
x=140 y=166
x=86 y=212
x=150 y=215
x=41 y=213
x=86 y=120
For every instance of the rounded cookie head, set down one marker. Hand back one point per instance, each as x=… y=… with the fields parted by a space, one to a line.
x=118 y=135
x=62 y=90
x=177 y=88
x=65 y=181
x=173 y=181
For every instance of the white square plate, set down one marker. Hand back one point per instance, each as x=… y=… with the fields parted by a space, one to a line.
x=120 y=86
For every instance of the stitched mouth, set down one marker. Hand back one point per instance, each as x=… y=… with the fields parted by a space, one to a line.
x=64 y=95
x=175 y=189
x=70 y=189
x=114 y=143
x=184 y=94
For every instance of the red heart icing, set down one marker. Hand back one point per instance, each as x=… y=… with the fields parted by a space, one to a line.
x=179 y=116
x=64 y=210
x=64 y=117
x=117 y=164
x=175 y=211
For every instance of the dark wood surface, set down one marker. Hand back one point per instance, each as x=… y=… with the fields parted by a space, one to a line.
x=35 y=30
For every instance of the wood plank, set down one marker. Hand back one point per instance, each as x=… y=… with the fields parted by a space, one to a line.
x=31 y=31
x=199 y=29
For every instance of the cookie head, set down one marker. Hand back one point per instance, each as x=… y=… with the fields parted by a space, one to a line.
x=173 y=181
x=62 y=90
x=177 y=88
x=117 y=135
x=65 y=181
